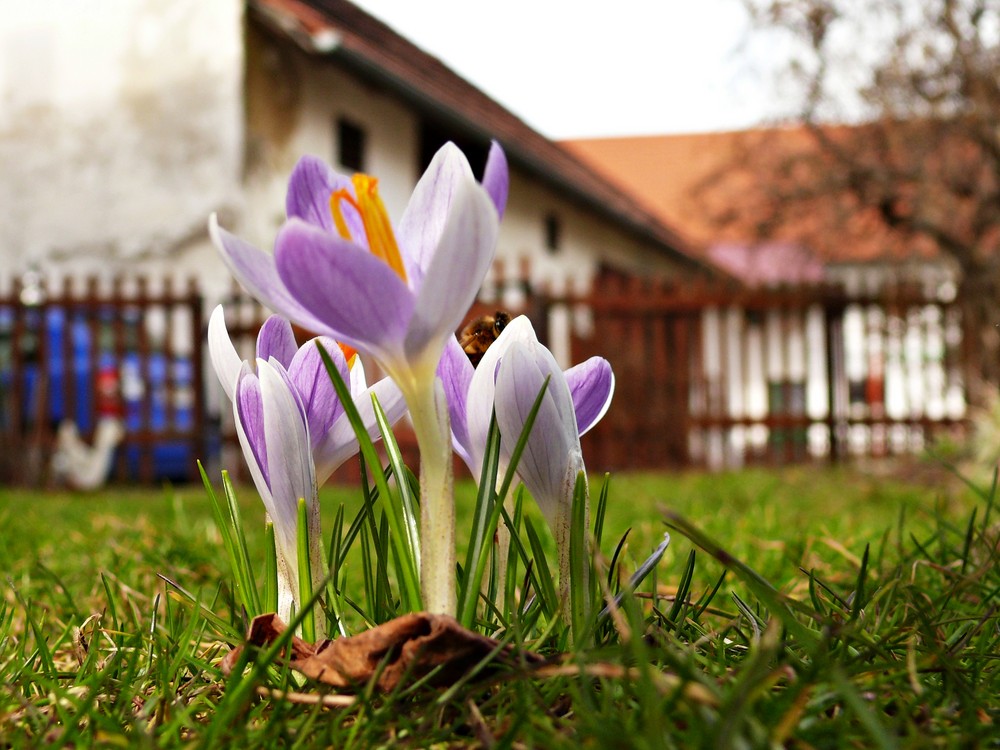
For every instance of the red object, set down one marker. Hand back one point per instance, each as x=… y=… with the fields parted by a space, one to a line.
x=108 y=397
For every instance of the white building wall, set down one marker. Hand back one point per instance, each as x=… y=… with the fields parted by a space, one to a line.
x=324 y=93
x=120 y=131
x=125 y=123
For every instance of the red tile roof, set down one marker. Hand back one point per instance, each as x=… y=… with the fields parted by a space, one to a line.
x=720 y=189
x=375 y=52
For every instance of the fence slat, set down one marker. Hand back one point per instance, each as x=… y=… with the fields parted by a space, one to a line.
x=81 y=353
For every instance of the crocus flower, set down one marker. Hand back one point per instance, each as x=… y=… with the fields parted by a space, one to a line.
x=293 y=431
x=470 y=396
x=340 y=269
x=509 y=378
x=332 y=440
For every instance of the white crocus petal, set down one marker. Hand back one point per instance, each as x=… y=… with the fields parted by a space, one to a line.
x=553 y=439
x=288 y=450
x=424 y=219
x=291 y=471
x=286 y=588
x=359 y=383
x=225 y=360
x=482 y=388
x=552 y=459
x=463 y=255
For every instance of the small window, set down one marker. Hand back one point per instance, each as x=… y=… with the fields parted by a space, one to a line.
x=350 y=145
x=553 y=233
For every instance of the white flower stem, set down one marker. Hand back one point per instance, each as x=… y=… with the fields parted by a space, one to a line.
x=317 y=562
x=561 y=532
x=429 y=414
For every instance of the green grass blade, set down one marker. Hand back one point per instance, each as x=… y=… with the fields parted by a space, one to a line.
x=482 y=531
x=647 y=566
x=601 y=510
x=541 y=569
x=252 y=601
x=305 y=571
x=410 y=518
x=270 y=601
x=333 y=594
x=224 y=524
x=581 y=603
x=779 y=604
x=408 y=556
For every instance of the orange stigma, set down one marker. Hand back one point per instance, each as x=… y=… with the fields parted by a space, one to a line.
x=350 y=354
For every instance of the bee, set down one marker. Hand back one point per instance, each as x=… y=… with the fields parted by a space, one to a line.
x=476 y=337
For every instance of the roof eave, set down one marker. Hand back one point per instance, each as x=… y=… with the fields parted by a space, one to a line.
x=313 y=34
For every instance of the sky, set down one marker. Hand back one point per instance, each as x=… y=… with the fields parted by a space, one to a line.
x=590 y=69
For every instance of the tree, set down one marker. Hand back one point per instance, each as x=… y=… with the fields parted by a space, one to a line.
x=920 y=167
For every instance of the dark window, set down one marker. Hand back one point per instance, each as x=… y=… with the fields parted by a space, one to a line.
x=434 y=135
x=350 y=145
x=553 y=233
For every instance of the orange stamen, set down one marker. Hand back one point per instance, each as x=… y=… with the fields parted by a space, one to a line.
x=374 y=218
x=338 y=215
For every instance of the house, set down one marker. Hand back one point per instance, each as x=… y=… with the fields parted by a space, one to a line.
x=132 y=125
x=727 y=192
x=850 y=342
x=324 y=77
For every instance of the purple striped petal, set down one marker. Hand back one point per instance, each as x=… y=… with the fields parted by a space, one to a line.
x=249 y=406
x=275 y=339
x=553 y=439
x=257 y=272
x=464 y=254
x=426 y=214
x=309 y=189
x=352 y=291
x=456 y=372
x=591 y=384
x=312 y=383
x=340 y=442
x=496 y=177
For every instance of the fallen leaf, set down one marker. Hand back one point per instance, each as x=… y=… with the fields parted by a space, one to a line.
x=411 y=646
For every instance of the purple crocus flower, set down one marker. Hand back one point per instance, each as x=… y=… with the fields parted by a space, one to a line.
x=293 y=430
x=509 y=378
x=331 y=437
x=340 y=269
x=471 y=391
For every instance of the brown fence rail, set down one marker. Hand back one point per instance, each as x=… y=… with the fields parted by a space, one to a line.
x=723 y=377
x=121 y=351
x=719 y=376
x=711 y=376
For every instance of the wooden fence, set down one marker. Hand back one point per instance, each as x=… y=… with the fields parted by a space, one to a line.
x=710 y=376
x=722 y=377
x=121 y=349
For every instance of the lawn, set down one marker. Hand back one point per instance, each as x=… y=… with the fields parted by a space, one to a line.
x=819 y=645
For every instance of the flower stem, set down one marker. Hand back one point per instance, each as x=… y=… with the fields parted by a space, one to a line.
x=429 y=414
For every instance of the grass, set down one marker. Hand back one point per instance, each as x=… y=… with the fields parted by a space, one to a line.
x=854 y=612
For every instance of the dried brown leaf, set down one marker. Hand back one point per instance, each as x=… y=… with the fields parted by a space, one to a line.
x=411 y=646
